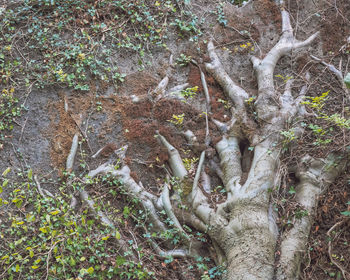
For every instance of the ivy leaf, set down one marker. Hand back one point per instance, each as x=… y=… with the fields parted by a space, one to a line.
x=345 y=213
x=55 y=212
x=347 y=80
x=117 y=235
x=120 y=261
x=292 y=190
x=90 y=270
x=4 y=184
x=72 y=262
x=30 y=174
x=7 y=170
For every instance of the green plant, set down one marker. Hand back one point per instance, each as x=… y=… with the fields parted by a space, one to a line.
x=183 y=60
x=220 y=14
x=301 y=213
x=316 y=102
x=44 y=238
x=288 y=137
x=346 y=213
x=9 y=110
x=189 y=92
x=98 y=106
x=335 y=121
x=284 y=78
x=236 y=2
x=250 y=100
x=226 y=103
x=71 y=42
x=189 y=162
x=177 y=119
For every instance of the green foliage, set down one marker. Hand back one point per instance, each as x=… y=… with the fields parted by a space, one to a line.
x=347 y=80
x=346 y=213
x=333 y=122
x=9 y=110
x=284 y=78
x=189 y=92
x=236 y=2
x=220 y=14
x=226 y=103
x=250 y=100
x=68 y=42
x=177 y=120
x=316 y=102
x=43 y=237
x=183 y=60
x=288 y=137
x=190 y=162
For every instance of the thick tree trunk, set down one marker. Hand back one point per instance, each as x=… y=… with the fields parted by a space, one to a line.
x=250 y=249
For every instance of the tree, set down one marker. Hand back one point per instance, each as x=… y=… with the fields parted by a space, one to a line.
x=242 y=229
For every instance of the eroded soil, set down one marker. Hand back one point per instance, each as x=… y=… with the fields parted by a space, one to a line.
x=110 y=117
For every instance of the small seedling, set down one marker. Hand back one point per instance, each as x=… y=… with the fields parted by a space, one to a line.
x=177 y=119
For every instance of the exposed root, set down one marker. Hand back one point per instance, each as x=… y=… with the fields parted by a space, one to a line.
x=134 y=190
x=204 y=84
x=195 y=187
x=220 y=255
x=160 y=89
x=110 y=146
x=44 y=193
x=315 y=176
x=169 y=211
x=176 y=253
x=190 y=137
x=190 y=219
x=230 y=155
x=104 y=219
x=85 y=197
x=346 y=274
x=205 y=179
x=234 y=92
x=266 y=104
x=72 y=153
x=175 y=160
x=197 y=199
x=336 y=72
